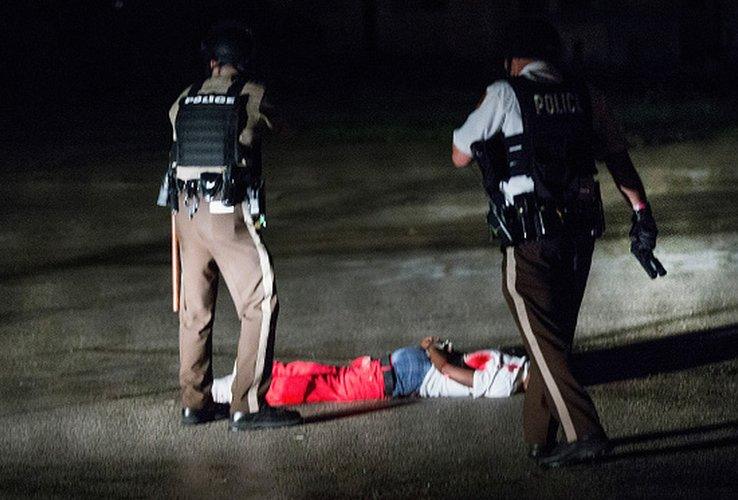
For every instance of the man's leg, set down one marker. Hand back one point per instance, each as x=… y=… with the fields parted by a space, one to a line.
x=539 y=423
x=247 y=270
x=196 y=314
x=307 y=382
x=580 y=256
x=539 y=283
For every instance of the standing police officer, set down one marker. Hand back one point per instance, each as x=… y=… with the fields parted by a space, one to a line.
x=536 y=136
x=214 y=186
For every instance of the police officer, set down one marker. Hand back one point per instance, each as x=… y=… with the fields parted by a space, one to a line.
x=536 y=136
x=214 y=186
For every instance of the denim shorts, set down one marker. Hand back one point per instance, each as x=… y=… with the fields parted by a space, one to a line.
x=410 y=365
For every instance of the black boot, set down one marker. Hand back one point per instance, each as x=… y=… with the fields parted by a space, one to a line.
x=208 y=413
x=537 y=450
x=266 y=417
x=582 y=450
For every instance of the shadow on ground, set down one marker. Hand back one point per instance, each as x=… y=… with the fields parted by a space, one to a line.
x=355 y=409
x=705 y=437
x=663 y=355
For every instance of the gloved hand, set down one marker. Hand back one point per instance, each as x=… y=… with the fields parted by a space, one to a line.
x=643 y=234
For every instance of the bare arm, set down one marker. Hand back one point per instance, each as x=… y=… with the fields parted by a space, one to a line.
x=626 y=178
x=483 y=122
x=459 y=158
x=612 y=149
x=464 y=376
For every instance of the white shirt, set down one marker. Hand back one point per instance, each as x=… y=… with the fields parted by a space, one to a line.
x=496 y=375
x=500 y=112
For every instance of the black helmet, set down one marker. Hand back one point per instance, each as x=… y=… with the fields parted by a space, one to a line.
x=532 y=37
x=228 y=42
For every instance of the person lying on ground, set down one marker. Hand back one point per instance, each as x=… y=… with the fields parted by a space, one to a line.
x=432 y=369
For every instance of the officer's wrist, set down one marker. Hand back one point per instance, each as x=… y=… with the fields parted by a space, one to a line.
x=639 y=205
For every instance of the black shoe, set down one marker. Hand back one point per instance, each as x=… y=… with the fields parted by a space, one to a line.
x=209 y=413
x=266 y=417
x=536 y=451
x=582 y=450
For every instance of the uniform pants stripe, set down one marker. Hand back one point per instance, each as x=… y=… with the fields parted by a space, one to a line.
x=553 y=389
x=266 y=310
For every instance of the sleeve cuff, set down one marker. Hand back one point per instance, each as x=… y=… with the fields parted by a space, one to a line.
x=461 y=146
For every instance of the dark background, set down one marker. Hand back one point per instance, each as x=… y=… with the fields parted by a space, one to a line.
x=112 y=65
x=377 y=240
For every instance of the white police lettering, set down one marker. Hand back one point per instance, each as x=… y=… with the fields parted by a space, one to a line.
x=210 y=99
x=559 y=103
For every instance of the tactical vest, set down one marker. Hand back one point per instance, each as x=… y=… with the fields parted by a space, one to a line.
x=555 y=147
x=208 y=127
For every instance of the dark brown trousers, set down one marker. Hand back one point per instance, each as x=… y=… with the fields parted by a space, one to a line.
x=543 y=283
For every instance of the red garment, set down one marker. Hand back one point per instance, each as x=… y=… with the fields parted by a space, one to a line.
x=308 y=382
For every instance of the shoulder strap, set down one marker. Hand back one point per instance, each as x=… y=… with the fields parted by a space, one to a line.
x=517 y=83
x=236 y=86
x=196 y=87
x=518 y=148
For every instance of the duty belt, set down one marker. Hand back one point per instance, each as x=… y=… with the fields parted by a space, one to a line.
x=389 y=375
x=209 y=186
x=215 y=186
x=530 y=219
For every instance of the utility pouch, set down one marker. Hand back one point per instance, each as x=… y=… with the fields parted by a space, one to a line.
x=163 y=199
x=533 y=219
x=498 y=220
x=191 y=190
x=256 y=198
x=168 y=192
x=524 y=227
x=587 y=214
x=235 y=182
x=530 y=219
x=210 y=185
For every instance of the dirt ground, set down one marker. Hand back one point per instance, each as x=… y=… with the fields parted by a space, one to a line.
x=376 y=244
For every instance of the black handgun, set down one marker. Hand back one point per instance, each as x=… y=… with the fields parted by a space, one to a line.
x=650 y=263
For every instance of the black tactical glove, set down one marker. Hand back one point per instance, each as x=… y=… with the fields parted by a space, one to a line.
x=643 y=234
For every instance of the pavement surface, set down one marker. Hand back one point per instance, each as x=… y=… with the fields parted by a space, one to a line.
x=375 y=246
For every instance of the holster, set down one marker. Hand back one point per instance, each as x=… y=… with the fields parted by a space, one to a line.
x=231 y=187
x=168 y=191
x=499 y=218
x=256 y=197
x=235 y=184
